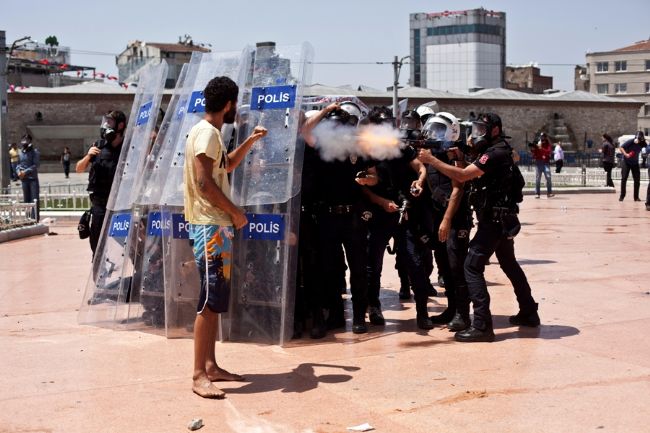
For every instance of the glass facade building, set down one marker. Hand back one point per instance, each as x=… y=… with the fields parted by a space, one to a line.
x=457 y=51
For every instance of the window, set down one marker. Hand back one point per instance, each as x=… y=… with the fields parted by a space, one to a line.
x=602 y=88
x=602 y=66
x=647 y=87
x=620 y=66
x=646 y=110
x=647 y=65
x=620 y=88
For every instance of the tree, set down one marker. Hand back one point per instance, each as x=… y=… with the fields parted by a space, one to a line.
x=52 y=41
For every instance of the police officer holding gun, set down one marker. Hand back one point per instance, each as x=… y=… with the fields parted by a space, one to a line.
x=400 y=182
x=495 y=192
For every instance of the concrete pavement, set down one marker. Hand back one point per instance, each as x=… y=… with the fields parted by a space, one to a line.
x=587 y=368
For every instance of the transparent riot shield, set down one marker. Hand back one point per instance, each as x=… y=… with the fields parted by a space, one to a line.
x=109 y=285
x=146 y=303
x=180 y=272
x=267 y=184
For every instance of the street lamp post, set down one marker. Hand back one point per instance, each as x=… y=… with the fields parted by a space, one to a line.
x=397 y=66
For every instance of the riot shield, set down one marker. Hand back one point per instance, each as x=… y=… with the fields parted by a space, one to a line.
x=180 y=272
x=109 y=285
x=146 y=304
x=267 y=184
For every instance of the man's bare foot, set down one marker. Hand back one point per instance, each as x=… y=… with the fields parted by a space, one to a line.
x=218 y=374
x=206 y=389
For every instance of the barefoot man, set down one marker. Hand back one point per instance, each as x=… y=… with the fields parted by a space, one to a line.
x=212 y=215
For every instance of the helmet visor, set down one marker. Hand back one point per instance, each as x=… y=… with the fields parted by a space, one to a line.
x=435 y=131
x=479 y=129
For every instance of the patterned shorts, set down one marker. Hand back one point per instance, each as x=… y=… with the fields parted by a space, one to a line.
x=212 y=245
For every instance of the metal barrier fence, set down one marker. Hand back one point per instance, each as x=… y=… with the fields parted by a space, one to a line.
x=53 y=201
x=588 y=177
x=14 y=215
x=59 y=188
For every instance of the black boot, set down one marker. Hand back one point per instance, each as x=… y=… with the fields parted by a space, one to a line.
x=525 y=319
x=459 y=323
x=424 y=322
x=375 y=316
x=444 y=317
x=472 y=334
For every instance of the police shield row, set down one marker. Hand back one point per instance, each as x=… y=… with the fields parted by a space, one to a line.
x=365 y=182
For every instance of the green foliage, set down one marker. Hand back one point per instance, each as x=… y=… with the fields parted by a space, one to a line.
x=52 y=41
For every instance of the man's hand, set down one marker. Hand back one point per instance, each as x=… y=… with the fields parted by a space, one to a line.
x=425 y=156
x=239 y=219
x=416 y=188
x=333 y=106
x=21 y=174
x=93 y=151
x=369 y=179
x=390 y=206
x=258 y=133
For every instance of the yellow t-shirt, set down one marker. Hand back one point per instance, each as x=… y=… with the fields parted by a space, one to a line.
x=14 y=155
x=205 y=138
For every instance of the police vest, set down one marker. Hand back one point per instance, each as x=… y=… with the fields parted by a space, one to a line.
x=498 y=188
x=102 y=169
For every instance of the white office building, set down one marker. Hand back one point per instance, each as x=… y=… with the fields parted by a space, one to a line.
x=458 y=51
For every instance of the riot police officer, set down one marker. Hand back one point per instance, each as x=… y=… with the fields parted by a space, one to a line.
x=102 y=157
x=401 y=180
x=442 y=132
x=337 y=186
x=495 y=192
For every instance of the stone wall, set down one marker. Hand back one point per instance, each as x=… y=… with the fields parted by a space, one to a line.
x=522 y=119
x=67 y=120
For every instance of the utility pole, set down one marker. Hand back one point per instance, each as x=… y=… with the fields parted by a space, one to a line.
x=4 y=154
x=397 y=66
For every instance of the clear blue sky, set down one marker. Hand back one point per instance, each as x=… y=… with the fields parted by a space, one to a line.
x=554 y=33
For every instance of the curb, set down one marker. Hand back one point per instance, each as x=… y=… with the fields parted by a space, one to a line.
x=23 y=232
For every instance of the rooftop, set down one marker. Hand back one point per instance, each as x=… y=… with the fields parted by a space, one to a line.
x=637 y=46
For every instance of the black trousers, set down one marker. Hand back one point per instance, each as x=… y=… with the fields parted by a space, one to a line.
x=457 y=246
x=97 y=212
x=308 y=297
x=489 y=239
x=381 y=228
x=351 y=231
x=636 y=175
x=419 y=252
x=558 y=165
x=607 y=166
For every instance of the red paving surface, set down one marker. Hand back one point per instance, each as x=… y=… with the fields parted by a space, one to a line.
x=586 y=369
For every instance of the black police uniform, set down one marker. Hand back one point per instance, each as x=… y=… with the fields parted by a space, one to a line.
x=340 y=212
x=395 y=179
x=100 y=180
x=439 y=187
x=496 y=208
x=309 y=300
x=454 y=252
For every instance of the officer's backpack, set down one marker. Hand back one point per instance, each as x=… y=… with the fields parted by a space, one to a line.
x=517 y=185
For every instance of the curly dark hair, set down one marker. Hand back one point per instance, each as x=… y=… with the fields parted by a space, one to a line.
x=218 y=92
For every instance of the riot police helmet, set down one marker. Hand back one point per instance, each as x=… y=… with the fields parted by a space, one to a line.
x=424 y=111
x=442 y=127
x=410 y=120
x=348 y=113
